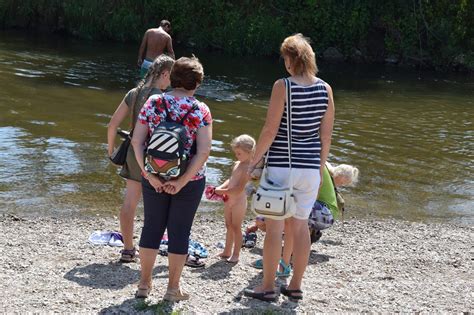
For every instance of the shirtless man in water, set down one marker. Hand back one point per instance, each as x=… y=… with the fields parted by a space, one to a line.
x=155 y=42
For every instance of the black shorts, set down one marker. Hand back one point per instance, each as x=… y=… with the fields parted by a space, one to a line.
x=172 y=212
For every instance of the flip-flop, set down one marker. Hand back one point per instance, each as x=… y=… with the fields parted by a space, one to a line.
x=258 y=264
x=194 y=262
x=262 y=296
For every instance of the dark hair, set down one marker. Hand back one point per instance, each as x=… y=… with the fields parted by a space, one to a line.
x=186 y=73
x=164 y=23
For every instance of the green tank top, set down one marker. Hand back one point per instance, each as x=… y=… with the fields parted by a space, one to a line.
x=327 y=194
x=140 y=98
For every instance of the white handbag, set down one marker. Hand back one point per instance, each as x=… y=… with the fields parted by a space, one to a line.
x=270 y=200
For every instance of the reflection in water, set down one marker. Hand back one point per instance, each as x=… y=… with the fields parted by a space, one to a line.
x=410 y=134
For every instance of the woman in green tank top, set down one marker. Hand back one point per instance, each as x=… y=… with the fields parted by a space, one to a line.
x=156 y=80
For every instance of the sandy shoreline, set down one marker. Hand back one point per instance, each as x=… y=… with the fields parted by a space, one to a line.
x=47 y=265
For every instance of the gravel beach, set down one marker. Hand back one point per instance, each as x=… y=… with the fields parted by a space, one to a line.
x=47 y=265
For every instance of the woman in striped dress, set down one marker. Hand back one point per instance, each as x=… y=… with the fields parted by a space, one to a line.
x=312 y=118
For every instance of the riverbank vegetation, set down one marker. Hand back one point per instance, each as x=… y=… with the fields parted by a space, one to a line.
x=424 y=33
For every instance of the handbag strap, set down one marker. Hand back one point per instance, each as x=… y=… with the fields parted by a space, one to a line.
x=289 y=127
x=288 y=134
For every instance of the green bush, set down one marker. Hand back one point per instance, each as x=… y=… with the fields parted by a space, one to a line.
x=424 y=31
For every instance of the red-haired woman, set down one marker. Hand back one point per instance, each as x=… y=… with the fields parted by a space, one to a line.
x=312 y=118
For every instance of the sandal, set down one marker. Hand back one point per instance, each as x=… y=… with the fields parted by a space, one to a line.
x=262 y=296
x=258 y=264
x=286 y=269
x=194 y=262
x=128 y=255
x=142 y=293
x=291 y=293
x=176 y=295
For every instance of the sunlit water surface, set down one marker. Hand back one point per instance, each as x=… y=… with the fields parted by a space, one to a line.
x=410 y=133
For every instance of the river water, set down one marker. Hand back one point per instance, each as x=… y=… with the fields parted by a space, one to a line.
x=410 y=133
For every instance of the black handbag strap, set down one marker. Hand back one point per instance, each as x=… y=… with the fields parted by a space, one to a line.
x=288 y=117
x=168 y=117
x=193 y=108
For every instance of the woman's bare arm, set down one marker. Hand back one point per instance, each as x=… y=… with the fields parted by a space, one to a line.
x=120 y=113
x=325 y=130
x=140 y=134
x=272 y=122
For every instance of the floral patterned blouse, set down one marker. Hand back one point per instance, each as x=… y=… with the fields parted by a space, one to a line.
x=153 y=112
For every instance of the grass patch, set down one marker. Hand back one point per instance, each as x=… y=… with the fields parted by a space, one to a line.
x=162 y=307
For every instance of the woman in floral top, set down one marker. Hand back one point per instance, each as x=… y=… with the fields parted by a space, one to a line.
x=172 y=204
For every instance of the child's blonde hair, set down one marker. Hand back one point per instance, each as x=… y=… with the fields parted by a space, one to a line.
x=244 y=142
x=348 y=171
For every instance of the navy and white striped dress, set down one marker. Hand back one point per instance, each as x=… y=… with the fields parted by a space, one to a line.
x=308 y=106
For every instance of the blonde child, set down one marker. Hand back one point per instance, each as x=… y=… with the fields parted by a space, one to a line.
x=236 y=204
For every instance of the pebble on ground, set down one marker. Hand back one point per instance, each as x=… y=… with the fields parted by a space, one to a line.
x=47 y=265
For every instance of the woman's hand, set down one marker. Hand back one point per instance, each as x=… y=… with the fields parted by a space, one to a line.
x=155 y=182
x=173 y=187
x=110 y=151
x=117 y=118
x=251 y=168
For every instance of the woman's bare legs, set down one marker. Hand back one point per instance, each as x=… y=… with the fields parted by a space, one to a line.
x=271 y=253
x=301 y=251
x=133 y=193
x=176 y=264
x=147 y=261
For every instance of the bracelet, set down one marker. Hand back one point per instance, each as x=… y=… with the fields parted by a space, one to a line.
x=146 y=174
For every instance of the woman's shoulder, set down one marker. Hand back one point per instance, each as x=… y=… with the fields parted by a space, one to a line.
x=202 y=106
x=280 y=83
x=153 y=100
x=152 y=103
x=323 y=83
x=131 y=94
